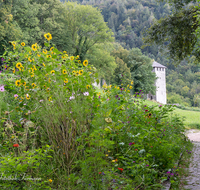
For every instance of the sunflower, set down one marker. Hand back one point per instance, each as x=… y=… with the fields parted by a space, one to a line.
x=64 y=52
x=73 y=72
x=72 y=58
x=63 y=56
x=34 y=68
x=48 y=89
x=85 y=63
x=28 y=96
x=13 y=43
x=51 y=49
x=52 y=71
x=38 y=55
x=79 y=61
x=14 y=70
x=77 y=57
x=33 y=85
x=88 y=86
x=66 y=80
x=48 y=56
x=30 y=59
x=24 y=83
x=18 y=82
x=49 y=80
x=18 y=65
x=32 y=75
x=64 y=71
x=80 y=72
x=23 y=44
x=30 y=52
x=44 y=51
x=43 y=64
x=48 y=36
x=130 y=87
x=50 y=99
x=34 y=47
x=26 y=88
x=132 y=82
x=77 y=73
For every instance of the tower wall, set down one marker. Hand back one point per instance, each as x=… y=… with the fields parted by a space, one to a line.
x=160 y=85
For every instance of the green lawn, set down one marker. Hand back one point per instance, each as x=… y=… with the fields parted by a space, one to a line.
x=191 y=118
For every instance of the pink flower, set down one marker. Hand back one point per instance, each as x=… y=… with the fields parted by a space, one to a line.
x=15 y=95
x=2 y=89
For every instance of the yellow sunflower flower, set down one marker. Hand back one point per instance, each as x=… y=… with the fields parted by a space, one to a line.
x=48 y=56
x=18 y=82
x=30 y=59
x=132 y=82
x=79 y=61
x=49 y=80
x=66 y=80
x=48 y=36
x=34 y=68
x=50 y=180
x=33 y=85
x=44 y=51
x=130 y=87
x=85 y=63
x=23 y=44
x=72 y=58
x=88 y=86
x=51 y=49
x=18 y=65
x=28 y=96
x=50 y=99
x=43 y=64
x=24 y=83
x=64 y=52
x=14 y=70
x=64 y=71
x=63 y=56
x=52 y=71
x=48 y=89
x=34 y=47
x=32 y=75
x=38 y=55
x=80 y=72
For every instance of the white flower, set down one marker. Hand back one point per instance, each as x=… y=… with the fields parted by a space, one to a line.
x=71 y=98
x=86 y=93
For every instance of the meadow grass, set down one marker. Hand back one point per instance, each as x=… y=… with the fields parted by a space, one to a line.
x=191 y=119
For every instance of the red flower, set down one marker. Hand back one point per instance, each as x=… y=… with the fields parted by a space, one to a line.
x=99 y=172
x=136 y=149
x=16 y=145
x=120 y=169
x=146 y=110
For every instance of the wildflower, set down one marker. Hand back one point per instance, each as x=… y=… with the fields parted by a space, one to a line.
x=52 y=71
x=86 y=93
x=64 y=52
x=130 y=87
x=48 y=36
x=41 y=101
x=160 y=106
x=80 y=72
x=15 y=96
x=132 y=143
x=33 y=85
x=2 y=89
x=108 y=120
x=48 y=56
x=147 y=165
x=50 y=180
x=99 y=172
x=113 y=161
x=132 y=82
x=49 y=80
x=146 y=110
x=48 y=89
x=43 y=64
x=34 y=47
x=44 y=51
x=66 y=80
x=136 y=149
x=85 y=63
x=106 y=154
x=13 y=70
x=120 y=169
x=63 y=56
x=51 y=49
x=79 y=61
x=64 y=71
x=50 y=99
x=28 y=96
x=24 y=83
x=71 y=98
x=17 y=82
x=72 y=58
x=15 y=145
x=23 y=44
x=88 y=86
x=18 y=65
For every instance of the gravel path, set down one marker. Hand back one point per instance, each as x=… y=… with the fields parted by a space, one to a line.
x=193 y=178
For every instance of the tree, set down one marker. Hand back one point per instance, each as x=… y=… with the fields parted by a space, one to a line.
x=87 y=28
x=176 y=31
x=9 y=31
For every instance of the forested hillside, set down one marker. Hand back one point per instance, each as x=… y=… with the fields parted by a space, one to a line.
x=128 y=20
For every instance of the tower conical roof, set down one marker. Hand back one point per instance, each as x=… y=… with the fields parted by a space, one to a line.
x=156 y=64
